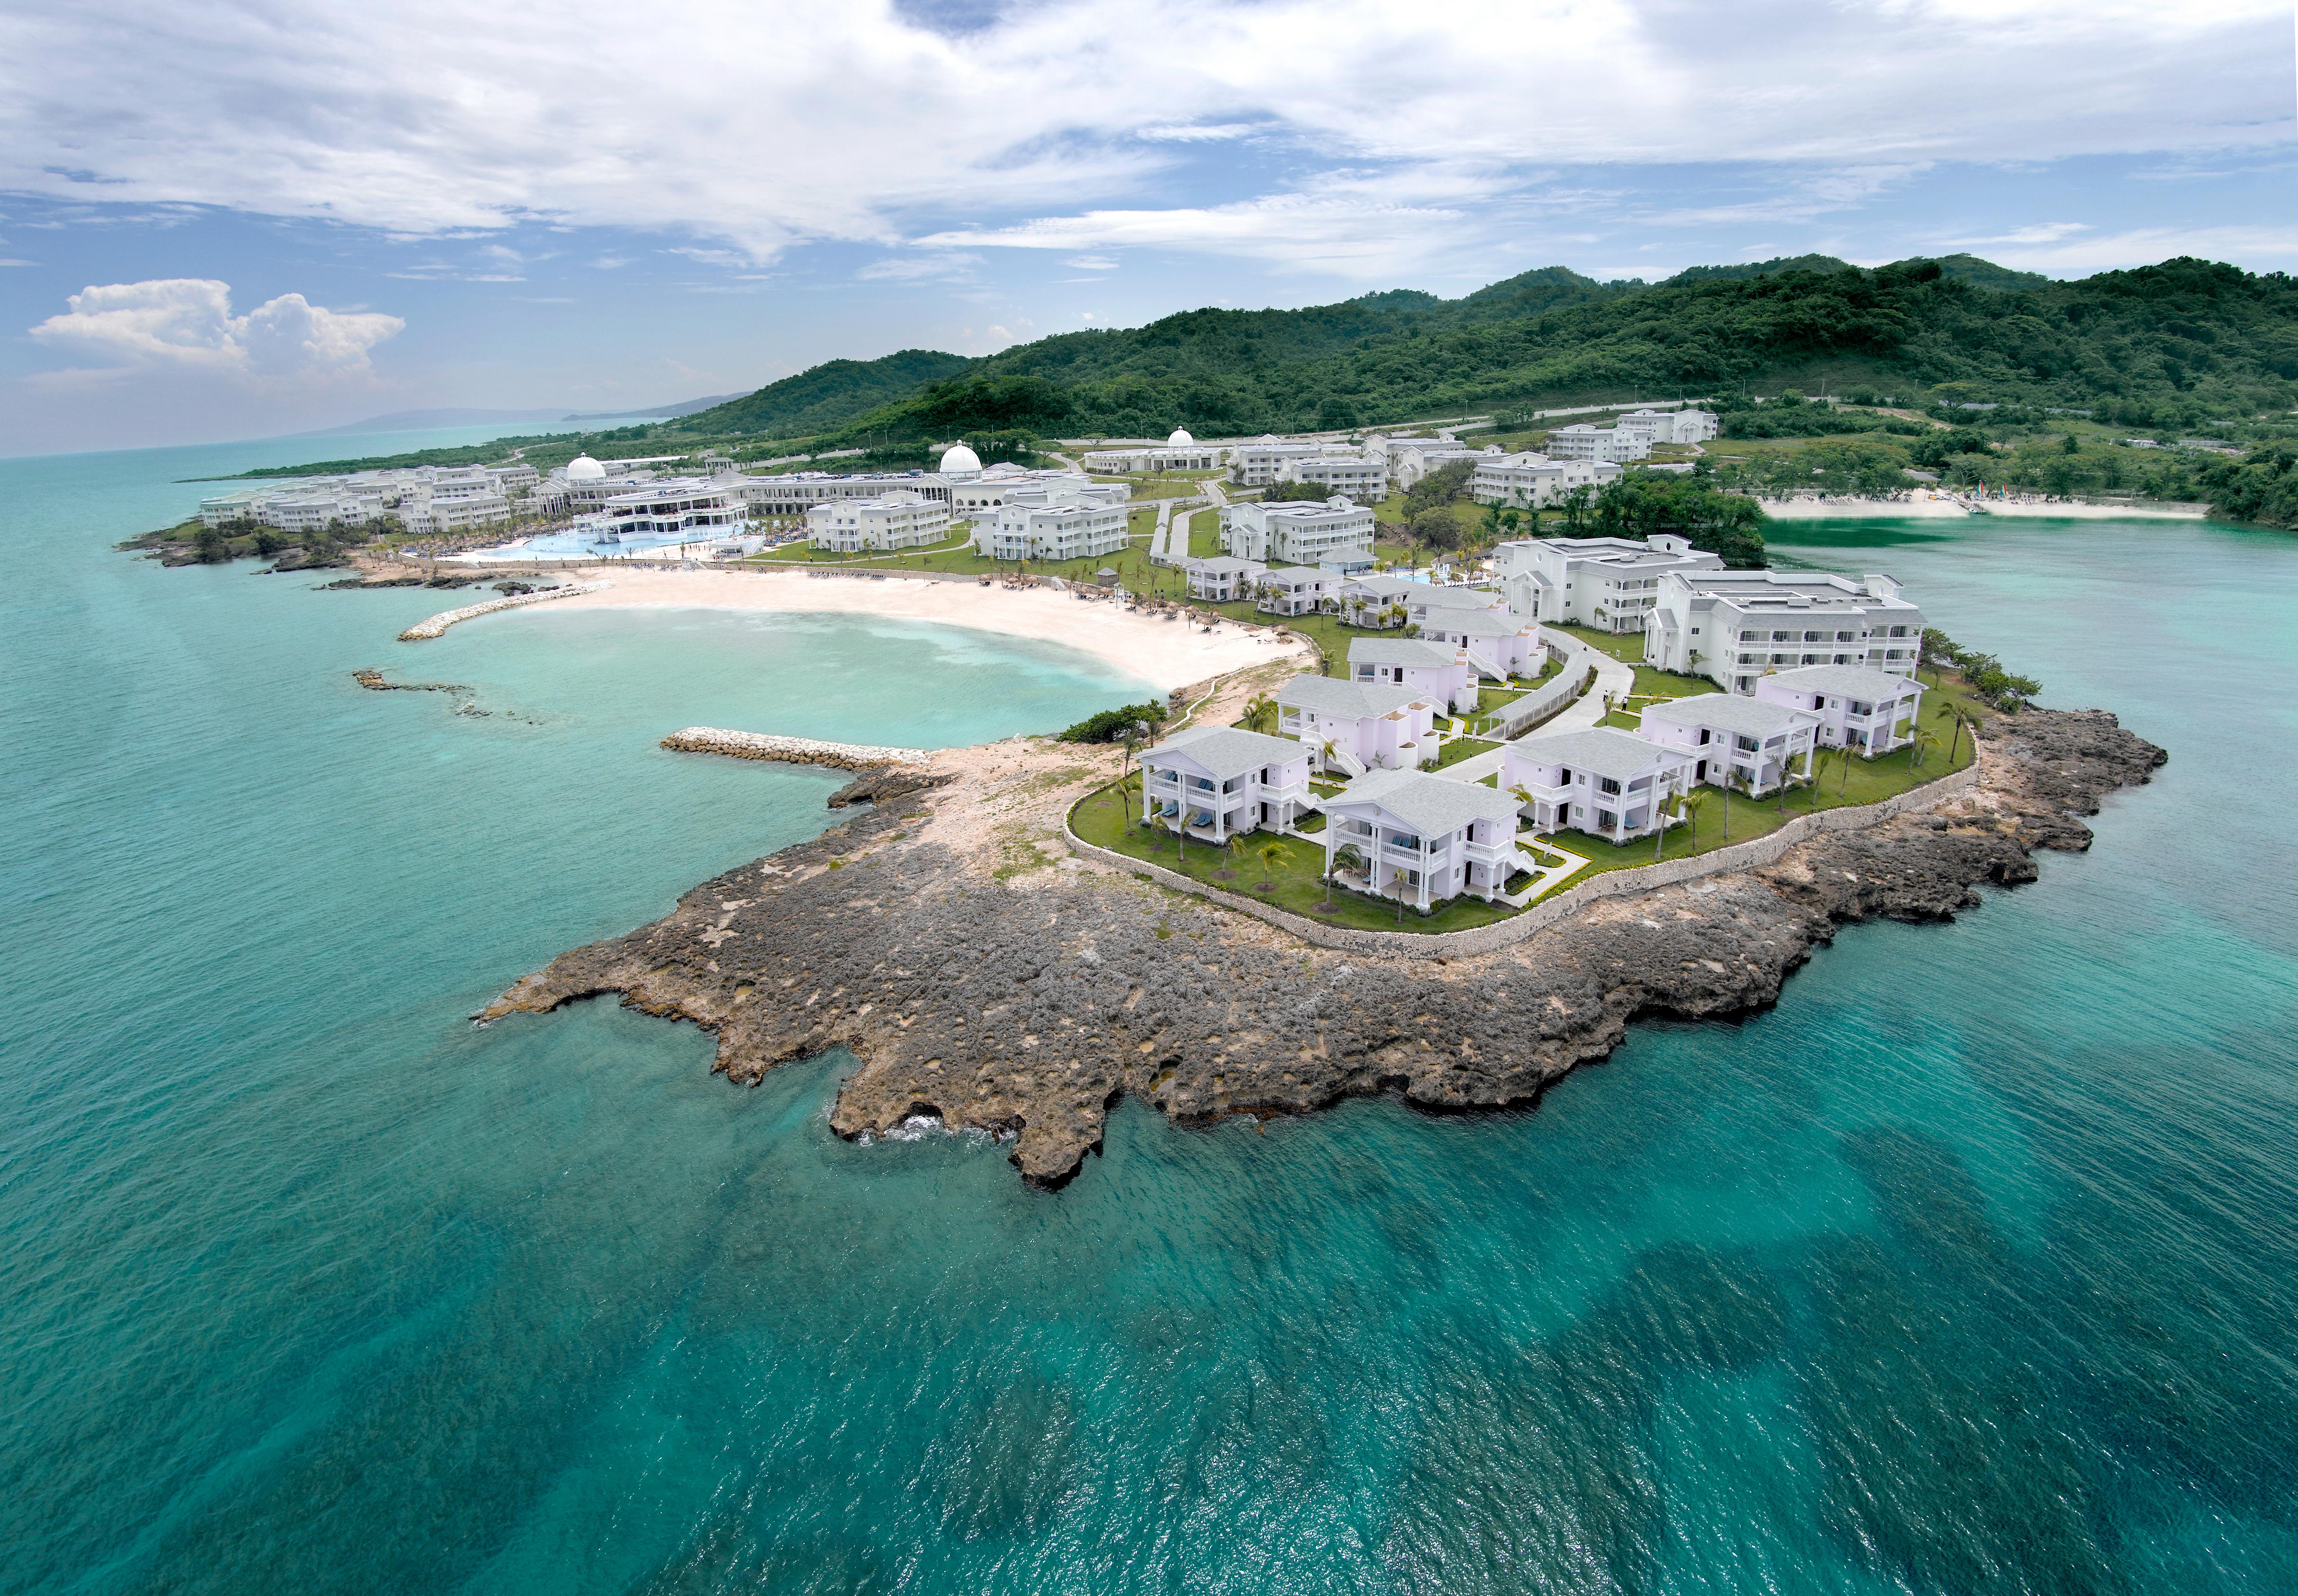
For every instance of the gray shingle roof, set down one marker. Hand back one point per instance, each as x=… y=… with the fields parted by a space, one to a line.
x=1851 y=681
x=1328 y=695
x=1432 y=805
x=1481 y=622
x=1225 y=751
x=1452 y=598
x=1401 y=651
x=1600 y=750
x=1726 y=712
x=1220 y=563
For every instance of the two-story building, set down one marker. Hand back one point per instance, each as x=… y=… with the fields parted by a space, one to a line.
x=1292 y=590
x=1296 y=532
x=1731 y=626
x=1215 y=782
x=1608 y=783
x=1441 y=670
x=1870 y=710
x=1223 y=579
x=1610 y=584
x=1725 y=733
x=1356 y=726
x=1530 y=480
x=1497 y=643
x=1053 y=521
x=1423 y=839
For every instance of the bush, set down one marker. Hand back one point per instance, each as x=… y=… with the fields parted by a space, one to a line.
x=1111 y=725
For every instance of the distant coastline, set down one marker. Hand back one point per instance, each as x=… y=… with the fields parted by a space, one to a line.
x=1926 y=506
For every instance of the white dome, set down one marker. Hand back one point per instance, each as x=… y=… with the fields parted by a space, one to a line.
x=959 y=457
x=584 y=468
x=1181 y=439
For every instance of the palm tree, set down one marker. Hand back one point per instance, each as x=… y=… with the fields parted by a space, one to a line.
x=1125 y=770
x=1236 y=846
x=1689 y=803
x=1271 y=855
x=1962 y=717
x=1259 y=713
x=1660 y=808
x=1347 y=853
x=1924 y=741
x=1330 y=750
x=1844 y=786
x=1158 y=827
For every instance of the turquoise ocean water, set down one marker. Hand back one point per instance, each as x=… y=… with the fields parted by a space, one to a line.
x=1969 y=1268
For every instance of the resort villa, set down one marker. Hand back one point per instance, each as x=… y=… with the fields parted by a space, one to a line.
x=1857 y=707
x=1439 y=670
x=1610 y=584
x=1360 y=473
x=1073 y=519
x=1608 y=783
x=1497 y=643
x=1294 y=589
x=1731 y=626
x=1223 y=579
x=1181 y=452
x=1215 y=782
x=901 y=519
x=1294 y=533
x=1412 y=458
x=1356 y=726
x=1724 y=733
x=1422 y=838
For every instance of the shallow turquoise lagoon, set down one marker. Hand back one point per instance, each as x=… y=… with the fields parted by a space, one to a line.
x=1967 y=1268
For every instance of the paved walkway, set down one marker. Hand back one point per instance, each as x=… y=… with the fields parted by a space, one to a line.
x=1612 y=676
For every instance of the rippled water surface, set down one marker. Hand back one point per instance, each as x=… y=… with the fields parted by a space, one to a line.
x=1969 y=1268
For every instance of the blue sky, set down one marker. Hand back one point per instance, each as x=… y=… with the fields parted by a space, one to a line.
x=244 y=219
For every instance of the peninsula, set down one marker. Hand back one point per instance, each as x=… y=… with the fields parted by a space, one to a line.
x=987 y=974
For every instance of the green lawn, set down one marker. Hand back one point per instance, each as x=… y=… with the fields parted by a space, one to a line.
x=1489 y=699
x=1462 y=747
x=1100 y=819
x=1626 y=647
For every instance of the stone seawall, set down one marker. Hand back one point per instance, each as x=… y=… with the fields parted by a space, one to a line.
x=787 y=750
x=423 y=630
x=1503 y=933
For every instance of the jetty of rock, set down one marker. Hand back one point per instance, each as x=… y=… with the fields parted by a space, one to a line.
x=788 y=750
x=423 y=630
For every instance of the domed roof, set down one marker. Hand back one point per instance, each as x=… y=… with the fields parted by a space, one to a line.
x=584 y=468
x=959 y=457
x=1181 y=439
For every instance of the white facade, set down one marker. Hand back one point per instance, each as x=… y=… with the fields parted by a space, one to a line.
x=1727 y=735
x=901 y=519
x=1298 y=532
x=1606 y=782
x=1180 y=452
x=681 y=505
x=1583 y=441
x=1262 y=461
x=1732 y=627
x=1361 y=474
x=1496 y=642
x=1532 y=481
x=1053 y=521
x=1412 y=458
x=1294 y=589
x=1223 y=579
x=1868 y=710
x=1421 y=838
x=1608 y=584
x=1356 y=726
x=1672 y=426
x=1215 y=782
x=1439 y=669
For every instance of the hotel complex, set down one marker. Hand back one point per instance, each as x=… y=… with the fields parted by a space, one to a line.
x=1732 y=627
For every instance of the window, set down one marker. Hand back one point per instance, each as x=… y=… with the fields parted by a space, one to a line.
x=1745 y=744
x=1607 y=785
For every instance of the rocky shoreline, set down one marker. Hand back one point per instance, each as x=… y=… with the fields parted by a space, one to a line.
x=984 y=978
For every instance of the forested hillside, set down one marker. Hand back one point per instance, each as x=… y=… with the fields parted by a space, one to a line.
x=2182 y=341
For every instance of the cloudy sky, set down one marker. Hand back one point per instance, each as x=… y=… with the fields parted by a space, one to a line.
x=236 y=218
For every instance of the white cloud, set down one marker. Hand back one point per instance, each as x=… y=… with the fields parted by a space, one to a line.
x=186 y=322
x=1086 y=114
x=2049 y=232
x=914 y=268
x=2077 y=255
x=1091 y=263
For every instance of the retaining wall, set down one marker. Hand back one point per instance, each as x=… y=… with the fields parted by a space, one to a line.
x=437 y=624
x=787 y=750
x=1506 y=933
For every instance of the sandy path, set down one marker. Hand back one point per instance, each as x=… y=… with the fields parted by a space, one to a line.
x=1169 y=654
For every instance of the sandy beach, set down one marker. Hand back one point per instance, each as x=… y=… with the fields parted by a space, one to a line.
x=1922 y=505
x=1169 y=654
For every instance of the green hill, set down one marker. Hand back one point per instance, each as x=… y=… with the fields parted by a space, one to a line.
x=825 y=398
x=1756 y=268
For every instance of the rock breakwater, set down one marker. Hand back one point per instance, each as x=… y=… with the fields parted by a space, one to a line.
x=981 y=977
x=788 y=750
x=436 y=626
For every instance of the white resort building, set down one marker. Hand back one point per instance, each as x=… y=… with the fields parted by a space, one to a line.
x=1054 y=521
x=1731 y=626
x=1610 y=584
x=1497 y=643
x=1608 y=783
x=1726 y=733
x=1298 y=532
x=1215 y=782
x=1671 y=426
x=1223 y=579
x=1584 y=441
x=1422 y=838
x=1356 y=726
x=1292 y=590
x=1531 y=481
x=903 y=519
x=1412 y=458
x=1441 y=671
x=1868 y=710
x=1180 y=452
